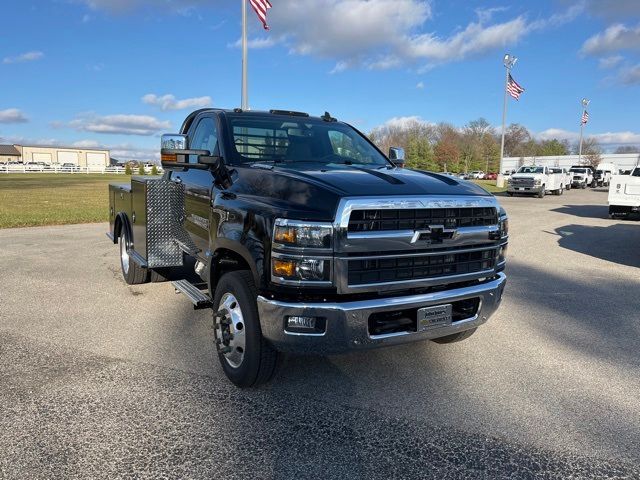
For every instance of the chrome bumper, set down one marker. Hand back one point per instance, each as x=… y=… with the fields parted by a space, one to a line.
x=347 y=323
x=516 y=189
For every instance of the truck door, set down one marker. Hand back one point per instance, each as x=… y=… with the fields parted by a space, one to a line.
x=199 y=184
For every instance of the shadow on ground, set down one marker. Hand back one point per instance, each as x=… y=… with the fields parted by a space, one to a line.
x=584 y=211
x=617 y=243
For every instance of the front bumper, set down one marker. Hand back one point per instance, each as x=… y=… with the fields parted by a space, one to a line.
x=347 y=323
x=516 y=189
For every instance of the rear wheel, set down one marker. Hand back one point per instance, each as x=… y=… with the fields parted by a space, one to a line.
x=132 y=273
x=456 y=337
x=245 y=356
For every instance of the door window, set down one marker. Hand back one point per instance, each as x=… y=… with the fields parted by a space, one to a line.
x=205 y=138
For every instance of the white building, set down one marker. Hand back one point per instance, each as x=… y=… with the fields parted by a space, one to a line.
x=56 y=155
x=623 y=161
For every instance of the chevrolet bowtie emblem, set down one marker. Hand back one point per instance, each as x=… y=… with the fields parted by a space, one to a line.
x=433 y=234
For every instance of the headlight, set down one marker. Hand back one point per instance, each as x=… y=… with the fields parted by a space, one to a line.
x=503 y=223
x=538 y=181
x=509 y=180
x=291 y=233
x=301 y=269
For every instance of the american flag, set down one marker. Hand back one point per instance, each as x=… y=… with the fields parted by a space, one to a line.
x=513 y=88
x=261 y=7
x=585 y=117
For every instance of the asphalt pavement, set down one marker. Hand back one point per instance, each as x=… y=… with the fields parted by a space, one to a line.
x=99 y=379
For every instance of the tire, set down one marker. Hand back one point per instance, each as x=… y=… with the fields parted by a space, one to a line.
x=560 y=190
x=253 y=362
x=584 y=185
x=542 y=192
x=456 y=337
x=568 y=186
x=510 y=194
x=132 y=273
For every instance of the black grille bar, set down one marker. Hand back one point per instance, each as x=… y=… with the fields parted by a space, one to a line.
x=370 y=271
x=420 y=219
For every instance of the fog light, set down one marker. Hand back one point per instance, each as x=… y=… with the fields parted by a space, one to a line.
x=308 y=323
x=305 y=325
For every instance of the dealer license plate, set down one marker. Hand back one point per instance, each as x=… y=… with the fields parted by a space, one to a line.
x=432 y=317
x=520 y=188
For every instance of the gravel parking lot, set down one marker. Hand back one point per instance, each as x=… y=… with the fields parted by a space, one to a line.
x=103 y=380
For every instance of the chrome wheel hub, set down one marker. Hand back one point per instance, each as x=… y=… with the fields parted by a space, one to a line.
x=230 y=330
x=124 y=256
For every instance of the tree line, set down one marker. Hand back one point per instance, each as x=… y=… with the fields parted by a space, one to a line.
x=476 y=146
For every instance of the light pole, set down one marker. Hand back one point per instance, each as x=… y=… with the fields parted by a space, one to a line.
x=245 y=94
x=509 y=61
x=585 y=104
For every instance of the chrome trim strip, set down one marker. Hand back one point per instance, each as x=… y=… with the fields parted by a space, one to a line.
x=410 y=234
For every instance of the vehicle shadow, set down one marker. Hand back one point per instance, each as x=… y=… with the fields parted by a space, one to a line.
x=584 y=211
x=617 y=243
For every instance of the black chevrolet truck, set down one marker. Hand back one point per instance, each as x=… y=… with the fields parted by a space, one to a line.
x=304 y=237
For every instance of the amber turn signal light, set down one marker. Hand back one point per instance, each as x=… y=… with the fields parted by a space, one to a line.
x=286 y=235
x=169 y=157
x=284 y=268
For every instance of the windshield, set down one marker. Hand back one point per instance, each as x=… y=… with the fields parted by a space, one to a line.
x=556 y=170
x=636 y=172
x=531 y=170
x=289 y=140
x=578 y=170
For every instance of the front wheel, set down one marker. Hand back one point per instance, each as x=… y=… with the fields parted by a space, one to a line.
x=583 y=186
x=542 y=192
x=245 y=356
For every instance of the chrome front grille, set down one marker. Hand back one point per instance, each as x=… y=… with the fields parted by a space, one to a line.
x=522 y=182
x=419 y=219
x=414 y=242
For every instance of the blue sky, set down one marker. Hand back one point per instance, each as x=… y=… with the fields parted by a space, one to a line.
x=118 y=73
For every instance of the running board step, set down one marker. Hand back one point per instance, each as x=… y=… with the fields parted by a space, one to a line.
x=198 y=297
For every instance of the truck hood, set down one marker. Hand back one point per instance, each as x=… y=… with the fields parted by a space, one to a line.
x=314 y=190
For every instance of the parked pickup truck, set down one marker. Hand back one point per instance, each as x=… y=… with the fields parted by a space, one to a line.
x=624 y=194
x=306 y=238
x=582 y=176
x=535 y=179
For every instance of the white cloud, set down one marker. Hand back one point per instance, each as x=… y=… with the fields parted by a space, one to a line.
x=121 y=124
x=420 y=85
x=607 y=139
x=24 y=57
x=255 y=43
x=12 y=115
x=404 y=122
x=614 y=9
x=384 y=34
x=169 y=102
x=183 y=7
x=614 y=38
x=610 y=62
x=630 y=75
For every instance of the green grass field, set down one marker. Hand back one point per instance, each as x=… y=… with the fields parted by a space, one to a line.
x=54 y=199
x=32 y=199
x=490 y=186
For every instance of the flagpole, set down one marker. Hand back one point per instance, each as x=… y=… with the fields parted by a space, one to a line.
x=245 y=97
x=585 y=104
x=509 y=61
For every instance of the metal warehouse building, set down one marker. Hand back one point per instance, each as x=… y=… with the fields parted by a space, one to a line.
x=52 y=155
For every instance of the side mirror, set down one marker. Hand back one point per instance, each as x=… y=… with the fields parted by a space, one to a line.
x=174 y=150
x=396 y=155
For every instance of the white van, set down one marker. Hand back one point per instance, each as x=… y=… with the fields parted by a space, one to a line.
x=603 y=174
